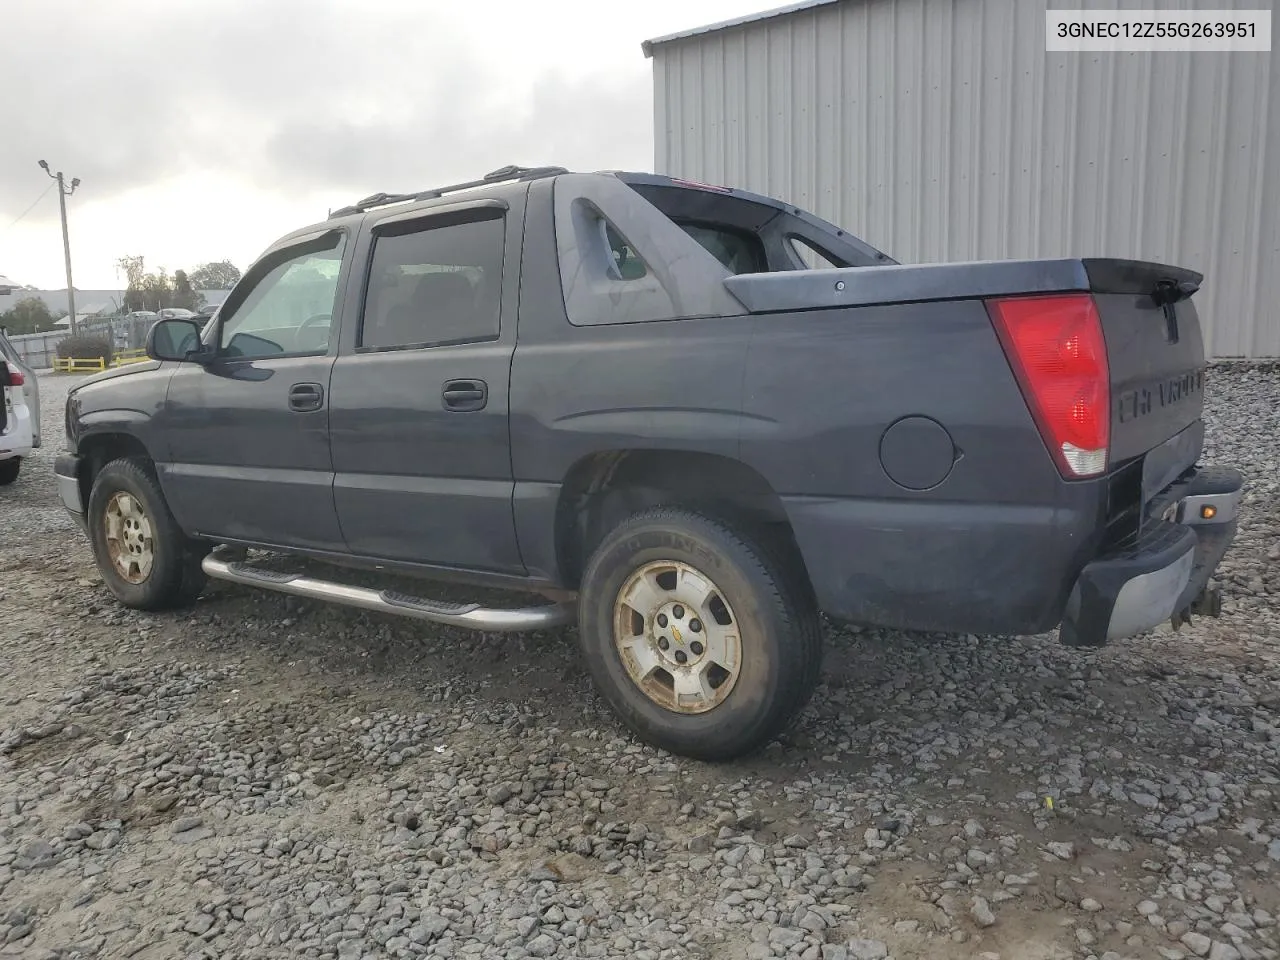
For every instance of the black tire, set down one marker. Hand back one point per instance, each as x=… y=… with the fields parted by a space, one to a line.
x=174 y=578
x=9 y=470
x=776 y=619
x=194 y=578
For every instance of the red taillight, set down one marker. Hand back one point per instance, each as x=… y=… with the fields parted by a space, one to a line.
x=1057 y=351
x=16 y=379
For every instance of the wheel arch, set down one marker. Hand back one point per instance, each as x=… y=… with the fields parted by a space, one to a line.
x=602 y=489
x=98 y=449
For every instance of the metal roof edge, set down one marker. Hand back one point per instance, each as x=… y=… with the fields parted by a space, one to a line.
x=648 y=45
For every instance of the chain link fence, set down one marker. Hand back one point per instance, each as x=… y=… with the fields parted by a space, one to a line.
x=38 y=350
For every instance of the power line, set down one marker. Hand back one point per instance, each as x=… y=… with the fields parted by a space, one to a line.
x=22 y=215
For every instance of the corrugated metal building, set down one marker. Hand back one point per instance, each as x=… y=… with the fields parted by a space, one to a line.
x=943 y=130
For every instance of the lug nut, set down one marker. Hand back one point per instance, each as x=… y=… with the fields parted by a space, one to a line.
x=680 y=656
x=662 y=619
x=695 y=648
x=678 y=612
x=695 y=624
x=663 y=643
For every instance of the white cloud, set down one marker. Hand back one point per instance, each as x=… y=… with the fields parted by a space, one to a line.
x=203 y=130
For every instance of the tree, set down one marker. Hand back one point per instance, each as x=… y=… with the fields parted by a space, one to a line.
x=28 y=315
x=157 y=290
x=183 y=295
x=219 y=275
x=154 y=290
x=135 y=273
x=134 y=268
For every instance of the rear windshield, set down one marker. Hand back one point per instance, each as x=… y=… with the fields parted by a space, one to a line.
x=738 y=250
x=752 y=234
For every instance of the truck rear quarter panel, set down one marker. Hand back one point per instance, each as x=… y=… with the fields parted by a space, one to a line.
x=918 y=488
x=917 y=485
x=577 y=391
x=653 y=386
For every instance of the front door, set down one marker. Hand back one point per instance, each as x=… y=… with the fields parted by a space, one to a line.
x=421 y=451
x=248 y=432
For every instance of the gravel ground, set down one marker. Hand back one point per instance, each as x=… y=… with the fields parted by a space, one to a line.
x=259 y=777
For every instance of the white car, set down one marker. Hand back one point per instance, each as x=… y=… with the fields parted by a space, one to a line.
x=19 y=413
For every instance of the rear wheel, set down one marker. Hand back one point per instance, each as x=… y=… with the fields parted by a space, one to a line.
x=9 y=470
x=696 y=635
x=143 y=556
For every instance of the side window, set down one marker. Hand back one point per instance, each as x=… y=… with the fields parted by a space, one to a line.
x=811 y=256
x=290 y=310
x=625 y=259
x=431 y=285
x=600 y=282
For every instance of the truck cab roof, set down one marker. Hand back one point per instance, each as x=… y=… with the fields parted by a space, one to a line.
x=712 y=214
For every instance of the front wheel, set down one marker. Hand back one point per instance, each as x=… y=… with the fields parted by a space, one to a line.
x=9 y=470
x=696 y=635
x=142 y=554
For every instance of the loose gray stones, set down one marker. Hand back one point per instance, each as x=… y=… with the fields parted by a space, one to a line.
x=35 y=855
x=541 y=946
x=980 y=910
x=1197 y=943
x=862 y=949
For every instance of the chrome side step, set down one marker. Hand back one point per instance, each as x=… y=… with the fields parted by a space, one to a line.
x=469 y=615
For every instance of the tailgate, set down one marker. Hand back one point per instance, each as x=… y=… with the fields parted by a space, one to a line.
x=1154 y=351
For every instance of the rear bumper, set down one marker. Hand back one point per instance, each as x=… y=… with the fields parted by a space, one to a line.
x=1160 y=574
x=1015 y=569
x=987 y=568
x=66 y=472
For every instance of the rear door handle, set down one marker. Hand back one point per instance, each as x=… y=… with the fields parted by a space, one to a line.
x=304 y=397
x=465 y=395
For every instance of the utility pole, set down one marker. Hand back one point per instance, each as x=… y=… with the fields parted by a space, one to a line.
x=63 y=193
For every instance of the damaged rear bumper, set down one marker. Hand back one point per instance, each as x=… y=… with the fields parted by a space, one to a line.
x=1161 y=574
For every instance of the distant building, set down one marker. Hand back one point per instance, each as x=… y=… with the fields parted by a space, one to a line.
x=947 y=131
x=91 y=302
x=65 y=320
x=212 y=298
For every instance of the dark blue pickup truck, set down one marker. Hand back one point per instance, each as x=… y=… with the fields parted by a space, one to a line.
x=692 y=418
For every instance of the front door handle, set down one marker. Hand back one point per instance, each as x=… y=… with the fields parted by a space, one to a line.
x=304 y=397
x=465 y=395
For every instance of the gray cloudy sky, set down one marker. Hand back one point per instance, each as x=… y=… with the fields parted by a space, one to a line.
x=202 y=129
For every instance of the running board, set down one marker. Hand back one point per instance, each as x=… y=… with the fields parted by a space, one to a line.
x=469 y=615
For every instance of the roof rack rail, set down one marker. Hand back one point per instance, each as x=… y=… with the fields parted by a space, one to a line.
x=501 y=175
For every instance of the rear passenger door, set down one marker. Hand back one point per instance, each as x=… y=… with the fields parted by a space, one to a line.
x=418 y=421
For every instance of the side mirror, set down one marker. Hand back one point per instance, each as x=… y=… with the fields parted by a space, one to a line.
x=173 y=339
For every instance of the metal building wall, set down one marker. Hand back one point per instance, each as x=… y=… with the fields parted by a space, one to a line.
x=943 y=130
